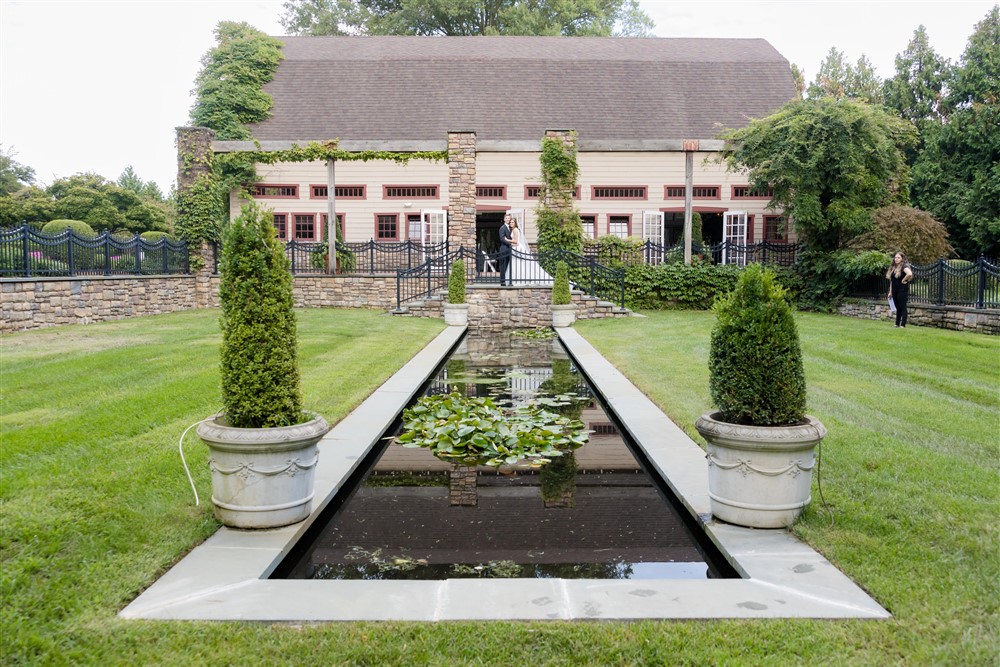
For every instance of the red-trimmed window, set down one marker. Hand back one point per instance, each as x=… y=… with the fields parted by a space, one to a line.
x=410 y=191
x=697 y=192
x=340 y=224
x=776 y=228
x=619 y=192
x=535 y=192
x=745 y=192
x=491 y=192
x=272 y=191
x=589 y=226
x=342 y=191
x=281 y=225
x=305 y=226
x=386 y=227
x=603 y=428
x=620 y=226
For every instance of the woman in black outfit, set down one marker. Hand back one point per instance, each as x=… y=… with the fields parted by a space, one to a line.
x=899 y=274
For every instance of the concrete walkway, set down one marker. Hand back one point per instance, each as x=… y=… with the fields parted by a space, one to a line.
x=225 y=578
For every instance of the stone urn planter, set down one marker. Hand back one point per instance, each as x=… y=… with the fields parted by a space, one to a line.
x=262 y=477
x=759 y=476
x=456 y=314
x=563 y=315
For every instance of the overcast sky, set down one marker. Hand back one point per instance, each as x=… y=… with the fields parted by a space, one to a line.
x=99 y=85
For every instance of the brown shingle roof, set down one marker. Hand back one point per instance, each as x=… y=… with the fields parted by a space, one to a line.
x=514 y=88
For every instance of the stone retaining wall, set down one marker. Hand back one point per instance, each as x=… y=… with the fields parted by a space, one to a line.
x=942 y=317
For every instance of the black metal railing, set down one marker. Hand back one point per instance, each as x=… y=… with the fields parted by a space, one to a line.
x=526 y=270
x=26 y=253
x=362 y=258
x=649 y=253
x=947 y=282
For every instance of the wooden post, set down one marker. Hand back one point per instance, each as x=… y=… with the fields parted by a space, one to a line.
x=331 y=217
x=690 y=146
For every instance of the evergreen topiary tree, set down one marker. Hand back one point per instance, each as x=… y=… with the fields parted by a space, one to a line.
x=54 y=227
x=456 y=282
x=560 y=286
x=260 y=371
x=755 y=363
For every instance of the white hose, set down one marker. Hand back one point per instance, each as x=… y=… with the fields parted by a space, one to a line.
x=180 y=448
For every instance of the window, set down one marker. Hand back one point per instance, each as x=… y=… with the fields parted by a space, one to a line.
x=535 y=192
x=603 y=428
x=618 y=192
x=305 y=226
x=697 y=192
x=775 y=228
x=409 y=192
x=491 y=191
x=413 y=230
x=281 y=225
x=620 y=226
x=340 y=224
x=589 y=226
x=386 y=227
x=744 y=192
x=342 y=191
x=264 y=191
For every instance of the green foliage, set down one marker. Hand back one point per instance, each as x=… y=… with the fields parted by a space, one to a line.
x=475 y=431
x=54 y=227
x=560 y=286
x=321 y=151
x=837 y=78
x=129 y=180
x=558 y=477
x=229 y=89
x=200 y=210
x=13 y=174
x=600 y=18
x=559 y=224
x=755 y=363
x=828 y=161
x=30 y=204
x=104 y=205
x=153 y=237
x=260 y=372
x=917 y=89
x=456 y=282
x=957 y=177
x=922 y=238
x=855 y=265
x=615 y=252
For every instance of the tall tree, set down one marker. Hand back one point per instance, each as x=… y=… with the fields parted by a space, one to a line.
x=104 y=205
x=838 y=78
x=957 y=176
x=229 y=89
x=13 y=174
x=917 y=90
x=622 y=18
x=799 y=77
x=829 y=163
x=130 y=180
x=863 y=83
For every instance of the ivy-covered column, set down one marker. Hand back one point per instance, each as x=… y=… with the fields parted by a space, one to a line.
x=198 y=205
x=559 y=226
x=462 y=189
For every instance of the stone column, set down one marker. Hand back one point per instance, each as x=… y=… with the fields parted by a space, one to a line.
x=553 y=200
x=462 y=190
x=463 y=490
x=194 y=163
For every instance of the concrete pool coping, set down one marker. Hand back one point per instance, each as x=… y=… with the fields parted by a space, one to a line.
x=225 y=577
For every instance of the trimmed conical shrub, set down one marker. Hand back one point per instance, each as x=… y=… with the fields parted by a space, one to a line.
x=456 y=283
x=755 y=362
x=560 y=287
x=260 y=370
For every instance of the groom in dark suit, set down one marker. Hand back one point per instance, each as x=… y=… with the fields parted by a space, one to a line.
x=505 y=245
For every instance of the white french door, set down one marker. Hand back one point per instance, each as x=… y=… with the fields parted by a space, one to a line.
x=734 y=233
x=652 y=231
x=433 y=227
x=518 y=214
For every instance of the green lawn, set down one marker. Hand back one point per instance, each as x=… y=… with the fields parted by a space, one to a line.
x=95 y=504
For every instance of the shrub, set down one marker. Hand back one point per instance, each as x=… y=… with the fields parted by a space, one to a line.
x=260 y=372
x=153 y=237
x=456 y=282
x=56 y=227
x=915 y=232
x=755 y=363
x=560 y=286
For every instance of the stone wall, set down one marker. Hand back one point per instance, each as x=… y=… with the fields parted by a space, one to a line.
x=462 y=189
x=942 y=317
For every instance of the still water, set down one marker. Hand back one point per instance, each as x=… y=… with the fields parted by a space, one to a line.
x=593 y=513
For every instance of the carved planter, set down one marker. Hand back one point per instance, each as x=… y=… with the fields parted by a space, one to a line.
x=563 y=316
x=262 y=477
x=759 y=476
x=456 y=314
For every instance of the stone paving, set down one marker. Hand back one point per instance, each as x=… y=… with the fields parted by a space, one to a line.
x=226 y=577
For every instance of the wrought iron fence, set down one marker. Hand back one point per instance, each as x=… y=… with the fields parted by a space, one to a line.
x=526 y=269
x=649 y=253
x=25 y=253
x=363 y=258
x=947 y=282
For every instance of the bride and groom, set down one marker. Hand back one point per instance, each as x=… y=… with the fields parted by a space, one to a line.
x=516 y=261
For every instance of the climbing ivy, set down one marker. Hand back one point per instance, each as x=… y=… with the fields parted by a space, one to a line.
x=559 y=224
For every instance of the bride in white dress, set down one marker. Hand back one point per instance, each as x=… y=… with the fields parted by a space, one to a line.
x=524 y=268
